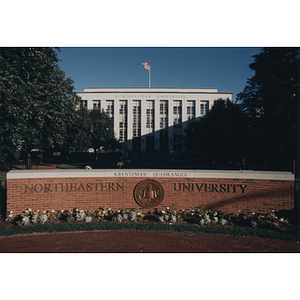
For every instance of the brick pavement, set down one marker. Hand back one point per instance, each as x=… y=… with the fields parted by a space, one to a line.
x=142 y=242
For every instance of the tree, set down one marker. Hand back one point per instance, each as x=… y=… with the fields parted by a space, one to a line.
x=90 y=129
x=220 y=135
x=101 y=129
x=36 y=100
x=79 y=130
x=270 y=101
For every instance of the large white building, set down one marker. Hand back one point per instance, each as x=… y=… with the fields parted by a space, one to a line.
x=151 y=119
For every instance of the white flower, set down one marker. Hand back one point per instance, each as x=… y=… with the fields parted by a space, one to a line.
x=29 y=209
x=161 y=219
x=62 y=211
x=43 y=219
x=52 y=210
x=109 y=209
x=80 y=216
x=223 y=221
x=201 y=222
x=25 y=220
x=206 y=217
x=35 y=219
x=275 y=225
x=163 y=212
x=133 y=216
x=88 y=219
x=168 y=208
x=11 y=212
x=253 y=223
x=215 y=214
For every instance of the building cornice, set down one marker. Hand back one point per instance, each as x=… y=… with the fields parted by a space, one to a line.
x=154 y=90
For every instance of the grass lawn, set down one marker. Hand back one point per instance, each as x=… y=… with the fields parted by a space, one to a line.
x=237 y=231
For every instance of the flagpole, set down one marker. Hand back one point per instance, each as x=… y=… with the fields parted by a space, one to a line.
x=149 y=75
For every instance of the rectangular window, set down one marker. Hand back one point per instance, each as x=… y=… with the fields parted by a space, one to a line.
x=96 y=104
x=136 y=111
x=177 y=124
x=177 y=113
x=123 y=120
x=149 y=116
x=190 y=107
x=163 y=111
x=204 y=106
x=110 y=108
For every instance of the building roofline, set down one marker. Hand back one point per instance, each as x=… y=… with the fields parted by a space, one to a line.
x=153 y=90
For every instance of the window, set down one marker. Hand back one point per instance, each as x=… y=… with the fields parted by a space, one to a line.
x=177 y=114
x=163 y=111
x=123 y=120
x=177 y=124
x=110 y=108
x=190 y=110
x=204 y=107
x=149 y=116
x=136 y=111
x=96 y=104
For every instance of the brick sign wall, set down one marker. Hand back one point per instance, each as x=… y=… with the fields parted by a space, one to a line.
x=229 y=191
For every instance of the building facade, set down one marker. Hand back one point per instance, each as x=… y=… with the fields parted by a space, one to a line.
x=151 y=119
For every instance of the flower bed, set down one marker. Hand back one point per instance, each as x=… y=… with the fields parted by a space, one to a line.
x=166 y=216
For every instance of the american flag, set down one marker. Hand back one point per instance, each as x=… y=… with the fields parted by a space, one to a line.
x=146 y=65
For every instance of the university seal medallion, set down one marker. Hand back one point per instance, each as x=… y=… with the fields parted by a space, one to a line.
x=148 y=193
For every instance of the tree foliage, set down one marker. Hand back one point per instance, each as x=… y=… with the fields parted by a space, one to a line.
x=79 y=131
x=270 y=101
x=37 y=102
x=91 y=129
x=101 y=129
x=220 y=135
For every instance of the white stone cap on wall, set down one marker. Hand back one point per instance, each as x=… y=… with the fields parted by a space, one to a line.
x=127 y=173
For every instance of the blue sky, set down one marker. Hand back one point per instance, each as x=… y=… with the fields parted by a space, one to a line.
x=225 y=68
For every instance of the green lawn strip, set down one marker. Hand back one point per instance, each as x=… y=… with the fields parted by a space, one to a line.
x=236 y=231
